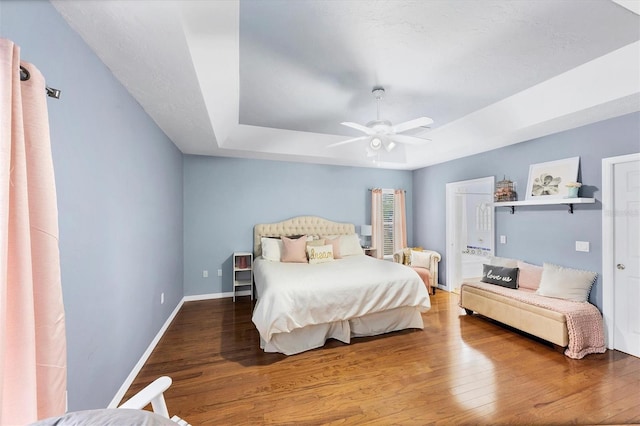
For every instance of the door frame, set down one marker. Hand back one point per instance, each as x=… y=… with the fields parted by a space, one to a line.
x=451 y=214
x=608 y=242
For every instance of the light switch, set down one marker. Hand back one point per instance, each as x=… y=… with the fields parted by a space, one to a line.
x=503 y=239
x=205 y=274
x=582 y=246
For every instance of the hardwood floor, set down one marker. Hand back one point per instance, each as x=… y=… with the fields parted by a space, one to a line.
x=458 y=370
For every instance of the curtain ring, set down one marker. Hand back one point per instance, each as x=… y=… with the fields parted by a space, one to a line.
x=24 y=74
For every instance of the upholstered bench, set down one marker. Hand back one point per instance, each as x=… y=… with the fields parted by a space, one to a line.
x=548 y=302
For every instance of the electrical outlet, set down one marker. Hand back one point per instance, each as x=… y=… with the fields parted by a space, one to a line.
x=582 y=246
x=162 y=298
x=205 y=273
x=219 y=272
x=503 y=239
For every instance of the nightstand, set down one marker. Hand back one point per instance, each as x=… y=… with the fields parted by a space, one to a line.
x=242 y=271
x=369 y=251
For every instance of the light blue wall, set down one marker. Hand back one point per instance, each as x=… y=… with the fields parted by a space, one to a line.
x=225 y=197
x=125 y=228
x=535 y=234
x=119 y=186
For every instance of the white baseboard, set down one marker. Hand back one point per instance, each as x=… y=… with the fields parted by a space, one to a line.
x=145 y=356
x=215 y=295
x=209 y=296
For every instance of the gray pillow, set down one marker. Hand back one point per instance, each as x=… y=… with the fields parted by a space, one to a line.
x=499 y=275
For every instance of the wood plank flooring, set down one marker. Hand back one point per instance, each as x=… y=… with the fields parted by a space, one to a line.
x=459 y=370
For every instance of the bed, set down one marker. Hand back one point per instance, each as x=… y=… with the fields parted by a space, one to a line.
x=301 y=305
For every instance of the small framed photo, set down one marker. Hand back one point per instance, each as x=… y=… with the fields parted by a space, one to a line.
x=548 y=180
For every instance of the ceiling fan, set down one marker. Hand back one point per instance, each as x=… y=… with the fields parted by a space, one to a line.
x=381 y=133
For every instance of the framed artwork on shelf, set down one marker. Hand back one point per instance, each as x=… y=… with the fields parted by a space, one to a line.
x=548 y=180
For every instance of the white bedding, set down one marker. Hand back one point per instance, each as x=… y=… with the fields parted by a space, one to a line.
x=292 y=296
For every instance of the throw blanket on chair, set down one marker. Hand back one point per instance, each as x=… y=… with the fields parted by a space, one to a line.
x=584 y=320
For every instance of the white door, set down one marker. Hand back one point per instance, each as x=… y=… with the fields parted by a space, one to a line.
x=470 y=233
x=626 y=277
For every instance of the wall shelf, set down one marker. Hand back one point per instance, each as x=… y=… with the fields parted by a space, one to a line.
x=546 y=202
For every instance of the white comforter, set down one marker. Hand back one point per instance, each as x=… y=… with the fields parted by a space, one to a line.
x=295 y=295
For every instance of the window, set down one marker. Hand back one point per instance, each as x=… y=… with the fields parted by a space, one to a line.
x=387 y=222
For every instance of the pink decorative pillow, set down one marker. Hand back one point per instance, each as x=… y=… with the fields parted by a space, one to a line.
x=335 y=242
x=294 y=251
x=530 y=275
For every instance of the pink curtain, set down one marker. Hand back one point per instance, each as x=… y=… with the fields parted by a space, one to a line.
x=377 y=232
x=399 y=220
x=32 y=331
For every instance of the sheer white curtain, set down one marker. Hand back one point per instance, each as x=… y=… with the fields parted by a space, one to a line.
x=33 y=359
x=377 y=230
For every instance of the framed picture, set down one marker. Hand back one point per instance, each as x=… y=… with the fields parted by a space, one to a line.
x=548 y=180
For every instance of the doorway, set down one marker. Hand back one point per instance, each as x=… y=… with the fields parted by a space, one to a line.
x=469 y=228
x=621 y=252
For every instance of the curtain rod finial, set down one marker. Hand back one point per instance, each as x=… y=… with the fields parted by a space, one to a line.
x=53 y=93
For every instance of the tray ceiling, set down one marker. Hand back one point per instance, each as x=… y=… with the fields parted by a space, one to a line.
x=274 y=79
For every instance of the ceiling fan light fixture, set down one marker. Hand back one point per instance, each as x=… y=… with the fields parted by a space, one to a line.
x=389 y=145
x=376 y=143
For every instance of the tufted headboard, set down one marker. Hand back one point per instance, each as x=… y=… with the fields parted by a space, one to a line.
x=301 y=225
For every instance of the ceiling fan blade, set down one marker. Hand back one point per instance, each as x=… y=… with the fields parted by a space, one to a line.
x=411 y=124
x=360 y=127
x=360 y=138
x=409 y=140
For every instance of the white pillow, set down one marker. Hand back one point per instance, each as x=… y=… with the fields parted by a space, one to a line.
x=420 y=259
x=565 y=283
x=350 y=245
x=320 y=254
x=271 y=249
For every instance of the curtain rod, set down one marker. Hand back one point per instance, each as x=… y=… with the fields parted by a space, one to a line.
x=51 y=92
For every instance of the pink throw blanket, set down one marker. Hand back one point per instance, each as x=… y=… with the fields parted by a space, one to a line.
x=584 y=320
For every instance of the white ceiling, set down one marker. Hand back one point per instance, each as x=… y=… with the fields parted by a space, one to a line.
x=273 y=79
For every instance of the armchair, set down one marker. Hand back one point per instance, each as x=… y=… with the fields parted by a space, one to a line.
x=154 y=394
x=424 y=262
x=130 y=413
